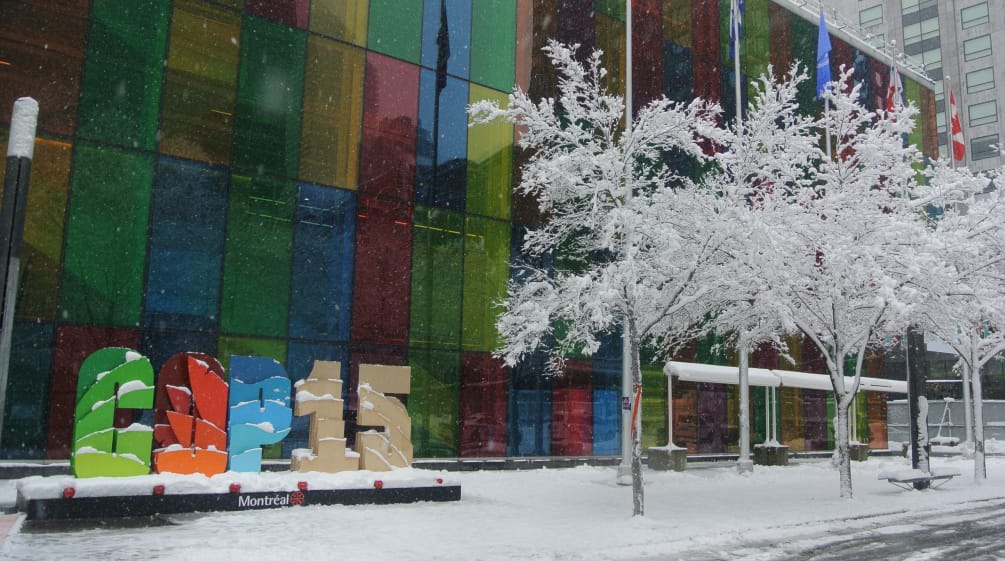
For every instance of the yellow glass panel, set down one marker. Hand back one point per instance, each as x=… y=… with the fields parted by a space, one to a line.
x=677 y=22
x=490 y=161
x=201 y=82
x=341 y=19
x=333 y=110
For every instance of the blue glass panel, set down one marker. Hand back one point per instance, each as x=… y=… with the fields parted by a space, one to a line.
x=441 y=159
x=861 y=77
x=324 y=242
x=187 y=225
x=678 y=73
x=530 y=423
x=452 y=55
x=300 y=359
x=159 y=346
x=24 y=435
x=606 y=422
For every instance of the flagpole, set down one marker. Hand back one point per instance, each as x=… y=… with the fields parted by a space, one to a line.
x=624 y=475
x=949 y=121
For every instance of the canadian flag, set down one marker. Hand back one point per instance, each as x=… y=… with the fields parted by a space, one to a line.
x=895 y=91
x=959 y=146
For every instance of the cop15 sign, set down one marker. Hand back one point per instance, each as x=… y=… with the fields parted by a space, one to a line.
x=205 y=423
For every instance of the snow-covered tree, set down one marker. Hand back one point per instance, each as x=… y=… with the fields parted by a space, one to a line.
x=840 y=253
x=967 y=309
x=633 y=253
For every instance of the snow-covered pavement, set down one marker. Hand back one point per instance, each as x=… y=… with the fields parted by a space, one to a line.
x=578 y=513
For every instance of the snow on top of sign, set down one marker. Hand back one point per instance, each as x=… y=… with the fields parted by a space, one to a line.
x=304 y=395
x=133 y=386
x=133 y=355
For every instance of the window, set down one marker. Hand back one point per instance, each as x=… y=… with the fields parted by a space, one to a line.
x=983 y=113
x=912 y=6
x=917 y=32
x=871 y=16
x=929 y=60
x=980 y=80
x=975 y=15
x=984 y=147
x=976 y=48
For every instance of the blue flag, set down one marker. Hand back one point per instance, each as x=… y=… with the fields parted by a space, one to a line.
x=823 y=57
x=735 y=25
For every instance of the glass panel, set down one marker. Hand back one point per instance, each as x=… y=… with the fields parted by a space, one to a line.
x=446 y=37
x=333 y=103
x=344 y=20
x=267 y=123
x=393 y=30
x=611 y=40
x=707 y=70
x=493 y=43
x=442 y=142
x=41 y=44
x=159 y=346
x=292 y=13
x=572 y=410
x=433 y=403
x=200 y=87
x=975 y=15
x=575 y=24
x=483 y=405
x=382 y=272
x=977 y=47
x=490 y=162
x=871 y=16
x=677 y=22
x=106 y=237
x=27 y=390
x=980 y=80
x=607 y=407
x=437 y=261
x=321 y=287
x=983 y=113
x=757 y=38
x=390 y=114
x=122 y=79
x=248 y=346
x=186 y=246
x=678 y=73
x=256 y=276
x=984 y=147
x=647 y=52
x=73 y=345
x=530 y=408
x=42 y=244
x=486 y=270
x=804 y=48
x=654 y=407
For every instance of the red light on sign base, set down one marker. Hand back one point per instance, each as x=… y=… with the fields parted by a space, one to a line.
x=439 y=481
x=69 y=492
x=158 y=489
x=302 y=485
x=378 y=484
x=235 y=487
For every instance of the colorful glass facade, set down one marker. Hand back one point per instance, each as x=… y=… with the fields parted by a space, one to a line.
x=296 y=179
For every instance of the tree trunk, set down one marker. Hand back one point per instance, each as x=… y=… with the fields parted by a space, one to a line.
x=638 y=494
x=842 y=455
x=977 y=398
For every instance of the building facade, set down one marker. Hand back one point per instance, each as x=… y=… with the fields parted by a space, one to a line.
x=296 y=179
x=953 y=41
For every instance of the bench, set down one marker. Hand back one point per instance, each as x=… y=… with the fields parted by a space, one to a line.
x=905 y=479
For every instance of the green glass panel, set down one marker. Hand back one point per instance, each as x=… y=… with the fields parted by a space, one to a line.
x=344 y=20
x=758 y=415
x=677 y=22
x=611 y=8
x=256 y=275
x=249 y=346
x=756 y=39
x=437 y=265
x=654 y=407
x=912 y=95
x=200 y=85
x=106 y=238
x=333 y=110
x=490 y=162
x=493 y=43
x=611 y=40
x=433 y=403
x=121 y=92
x=804 y=49
x=42 y=246
x=486 y=270
x=393 y=28
x=269 y=97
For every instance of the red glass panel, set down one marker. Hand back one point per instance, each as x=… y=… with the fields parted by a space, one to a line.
x=543 y=82
x=73 y=345
x=382 y=275
x=572 y=410
x=390 y=114
x=41 y=55
x=483 y=418
x=647 y=52
x=290 y=12
x=712 y=420
x=576 y=25
x=781 y=37
x=876 y=411
x=524 y=42
x=880 y=76
x=707 y=72
x=814 y=401
x=841 y=55
x=930 y=140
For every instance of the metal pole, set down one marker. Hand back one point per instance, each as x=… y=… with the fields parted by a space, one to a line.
x=917 y=403
x=627 y=395
x=20 y=150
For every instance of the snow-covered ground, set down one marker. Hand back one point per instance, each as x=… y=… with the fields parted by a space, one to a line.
x=578 y=513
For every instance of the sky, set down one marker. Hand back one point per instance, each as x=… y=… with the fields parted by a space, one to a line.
x=535 y=515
